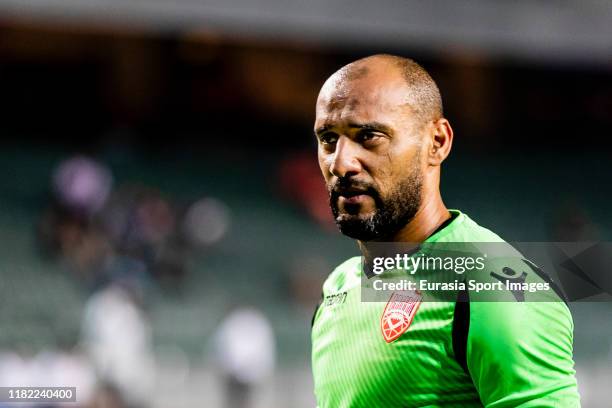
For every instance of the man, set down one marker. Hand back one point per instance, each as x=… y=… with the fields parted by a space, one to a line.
x=382 y=139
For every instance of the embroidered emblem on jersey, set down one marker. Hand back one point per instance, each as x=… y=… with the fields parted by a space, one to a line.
x=398 y=314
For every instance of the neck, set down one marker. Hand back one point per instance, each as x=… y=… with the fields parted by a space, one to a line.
x=431 y=214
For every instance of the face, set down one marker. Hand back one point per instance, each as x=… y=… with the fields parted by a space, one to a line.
x=369 y=150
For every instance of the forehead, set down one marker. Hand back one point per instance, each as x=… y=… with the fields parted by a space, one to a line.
x=362 y=96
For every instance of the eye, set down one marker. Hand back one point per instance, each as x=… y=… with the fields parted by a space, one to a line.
x=366 y=135
x=328 y=138
x=369 y=136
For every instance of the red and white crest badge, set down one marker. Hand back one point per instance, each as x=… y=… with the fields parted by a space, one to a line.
x=398 y=314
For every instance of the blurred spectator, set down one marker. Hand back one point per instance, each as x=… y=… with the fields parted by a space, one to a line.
x=143 y=225
x=88 y=227
x=117 y=337
x=82 y=184
x=206 y=222
x=76 y=241
x=69 y=229
x=245 y=351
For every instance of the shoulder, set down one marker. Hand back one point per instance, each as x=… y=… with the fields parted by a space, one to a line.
x=520 y=334
x=472 y=231
x=519 y=278
x=344 y=276
x=526 y=303
x=502 y=263
x=464 y=229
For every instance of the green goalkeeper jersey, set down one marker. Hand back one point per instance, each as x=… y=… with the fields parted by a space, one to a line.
x=505 y=354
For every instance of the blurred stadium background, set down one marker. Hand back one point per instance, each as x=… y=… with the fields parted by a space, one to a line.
x=162 y=218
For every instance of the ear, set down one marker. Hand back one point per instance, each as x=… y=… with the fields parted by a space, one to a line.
x=441 y=134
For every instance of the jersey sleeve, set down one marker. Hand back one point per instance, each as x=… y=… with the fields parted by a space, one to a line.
x=519 y=349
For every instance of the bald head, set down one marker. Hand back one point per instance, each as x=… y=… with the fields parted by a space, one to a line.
x=416 y=89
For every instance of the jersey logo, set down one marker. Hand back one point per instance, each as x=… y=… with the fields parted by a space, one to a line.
x=335 y=299
x=398 y=314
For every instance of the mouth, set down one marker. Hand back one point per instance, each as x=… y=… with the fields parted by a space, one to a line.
x=353 y=199
x=352 y=196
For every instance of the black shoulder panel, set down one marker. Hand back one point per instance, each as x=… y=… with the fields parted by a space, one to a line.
x=461 y=327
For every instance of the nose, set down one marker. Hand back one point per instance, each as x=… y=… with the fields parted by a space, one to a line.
x=345 y=162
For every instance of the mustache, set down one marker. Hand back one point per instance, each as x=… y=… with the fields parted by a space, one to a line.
x=349 y=187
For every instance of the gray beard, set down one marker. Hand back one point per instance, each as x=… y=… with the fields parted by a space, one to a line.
x=391 y=214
